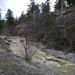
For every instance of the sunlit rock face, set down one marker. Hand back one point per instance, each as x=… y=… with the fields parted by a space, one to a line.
x=42 y=62
x=57 y=65
x=71 y=57
x=13 y=64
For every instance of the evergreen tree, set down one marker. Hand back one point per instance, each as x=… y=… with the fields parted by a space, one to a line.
x=1 y=25
x=16 y=21
x=0 y=14
x=33 y=10
x=71 y=2
x=22 y=17
x=1 y=22
x=59 y=4
x=45 y=7
x=9 y=18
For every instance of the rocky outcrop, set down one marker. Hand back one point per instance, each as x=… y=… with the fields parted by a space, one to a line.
x=12 y=64
x=60 y=54
x=57 y=65
x=42 y=62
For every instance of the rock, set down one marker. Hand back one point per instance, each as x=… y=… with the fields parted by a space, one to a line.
x=54 y=53
x=1 y=72
x=59 y=54
x=17 y=47
x=57 y=66
x=45 y=62
x=71 y=57
x=50 y=63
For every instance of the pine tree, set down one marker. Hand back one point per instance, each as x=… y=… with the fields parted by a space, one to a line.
x=45 y=8
x=22 y=17
x=0 y=14
x=33 y=10
x=71 y=2
x=1 y=25
x=59 y=4
x=9 y=18
x=1 y=22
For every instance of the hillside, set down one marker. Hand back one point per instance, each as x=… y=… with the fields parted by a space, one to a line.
x=39 y=42
x=58 y=33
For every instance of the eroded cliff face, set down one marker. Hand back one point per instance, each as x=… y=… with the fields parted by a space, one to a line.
x=42 y=61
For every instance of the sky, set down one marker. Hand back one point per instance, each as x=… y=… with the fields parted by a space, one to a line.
x=17 y=6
